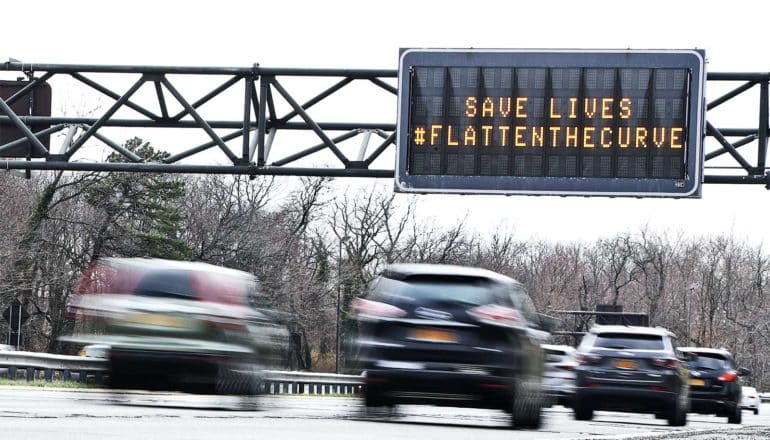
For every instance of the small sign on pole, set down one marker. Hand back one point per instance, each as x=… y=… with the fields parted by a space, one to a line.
x=15 y=315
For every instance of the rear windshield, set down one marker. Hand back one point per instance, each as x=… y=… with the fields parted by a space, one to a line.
x=625 y=341
x=466 y=290
x=709 y=361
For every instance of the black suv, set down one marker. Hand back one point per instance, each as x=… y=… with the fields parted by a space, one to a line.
x=637 y=369
x=451 y=336
x=714 y=385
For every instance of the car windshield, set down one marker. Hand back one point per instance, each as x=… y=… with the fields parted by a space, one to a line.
x=626 y=341
x=466 y=290
x=708 y=361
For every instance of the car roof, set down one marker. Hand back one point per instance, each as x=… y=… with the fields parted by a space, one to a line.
x=720 y=351
x=404 y=270
x=565 y=348
x=631 y=330
x=155 y=264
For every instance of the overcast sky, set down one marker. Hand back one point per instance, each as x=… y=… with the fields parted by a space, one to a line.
x=360 y=34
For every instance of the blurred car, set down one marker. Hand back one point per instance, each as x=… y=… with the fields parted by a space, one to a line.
x=95 y=351
x=714 y=385
x=631 y=369
x=179 y=326
x=750 y=399
x=559 y=377
x=765 y=397
x=451 y=336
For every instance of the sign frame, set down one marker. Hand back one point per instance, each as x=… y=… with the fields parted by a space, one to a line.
x=690 y=186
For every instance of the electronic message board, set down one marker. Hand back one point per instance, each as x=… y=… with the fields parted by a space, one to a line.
x=562 y=122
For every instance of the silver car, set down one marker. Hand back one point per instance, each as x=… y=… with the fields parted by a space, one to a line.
x=559 y=377
x=751 y=400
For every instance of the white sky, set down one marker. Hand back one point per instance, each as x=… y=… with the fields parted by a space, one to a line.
x=360 y=34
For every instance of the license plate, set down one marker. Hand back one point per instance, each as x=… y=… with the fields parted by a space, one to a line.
x=625 y=364
x=697 y=382
x=159 y=320
x=433 y=335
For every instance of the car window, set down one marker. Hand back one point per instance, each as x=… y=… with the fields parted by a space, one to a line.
x=626 y=341
x=710 y=361
x=166 y=284
x=467 y=290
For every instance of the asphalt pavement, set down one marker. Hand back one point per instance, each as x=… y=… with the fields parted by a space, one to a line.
x=47 y=414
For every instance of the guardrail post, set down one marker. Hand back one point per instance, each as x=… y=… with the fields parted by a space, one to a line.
x=48 y=375
x=66 y=375
x=82 y=376
x=99 y=378
x=30 y=374
x=11 y=373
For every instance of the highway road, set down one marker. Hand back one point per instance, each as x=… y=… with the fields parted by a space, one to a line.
x=51 y=414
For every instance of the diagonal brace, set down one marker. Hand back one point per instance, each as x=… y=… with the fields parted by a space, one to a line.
x=313 y=125
x=389 y=140
x=36 y=144
x=323 y=95
x=101 y=89
x=107 y=115
x=710 y=129
x=115 y=146
x=36 y=82
x=201 y=122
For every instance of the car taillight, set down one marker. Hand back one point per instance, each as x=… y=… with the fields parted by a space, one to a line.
x=497 y=315
x=587 y=358
x=367 y=307
x=666 y=362
x=728 y=376
x=568 y=367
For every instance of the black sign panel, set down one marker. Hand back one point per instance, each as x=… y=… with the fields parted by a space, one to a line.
x=562 y=122
x=34 y=103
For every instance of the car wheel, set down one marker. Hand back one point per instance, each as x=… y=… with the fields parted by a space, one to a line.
x=527 y=407
x=678 y=413
x=583 y=411
x=375 y=406
x=583 y=408
x=735 y=415
x=237 y=380
x=756 y=411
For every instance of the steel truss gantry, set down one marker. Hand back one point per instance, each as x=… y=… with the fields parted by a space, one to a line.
x=261 y=120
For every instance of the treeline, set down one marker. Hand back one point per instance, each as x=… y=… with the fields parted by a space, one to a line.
x=308 y=242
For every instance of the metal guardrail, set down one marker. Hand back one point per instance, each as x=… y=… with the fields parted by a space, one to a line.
x=80 y=368
x=301 y=382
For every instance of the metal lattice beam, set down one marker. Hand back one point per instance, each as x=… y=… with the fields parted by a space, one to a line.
x=260 y=122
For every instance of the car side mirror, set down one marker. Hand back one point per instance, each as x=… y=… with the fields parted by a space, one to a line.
x=744 y=372
x=547 y=323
